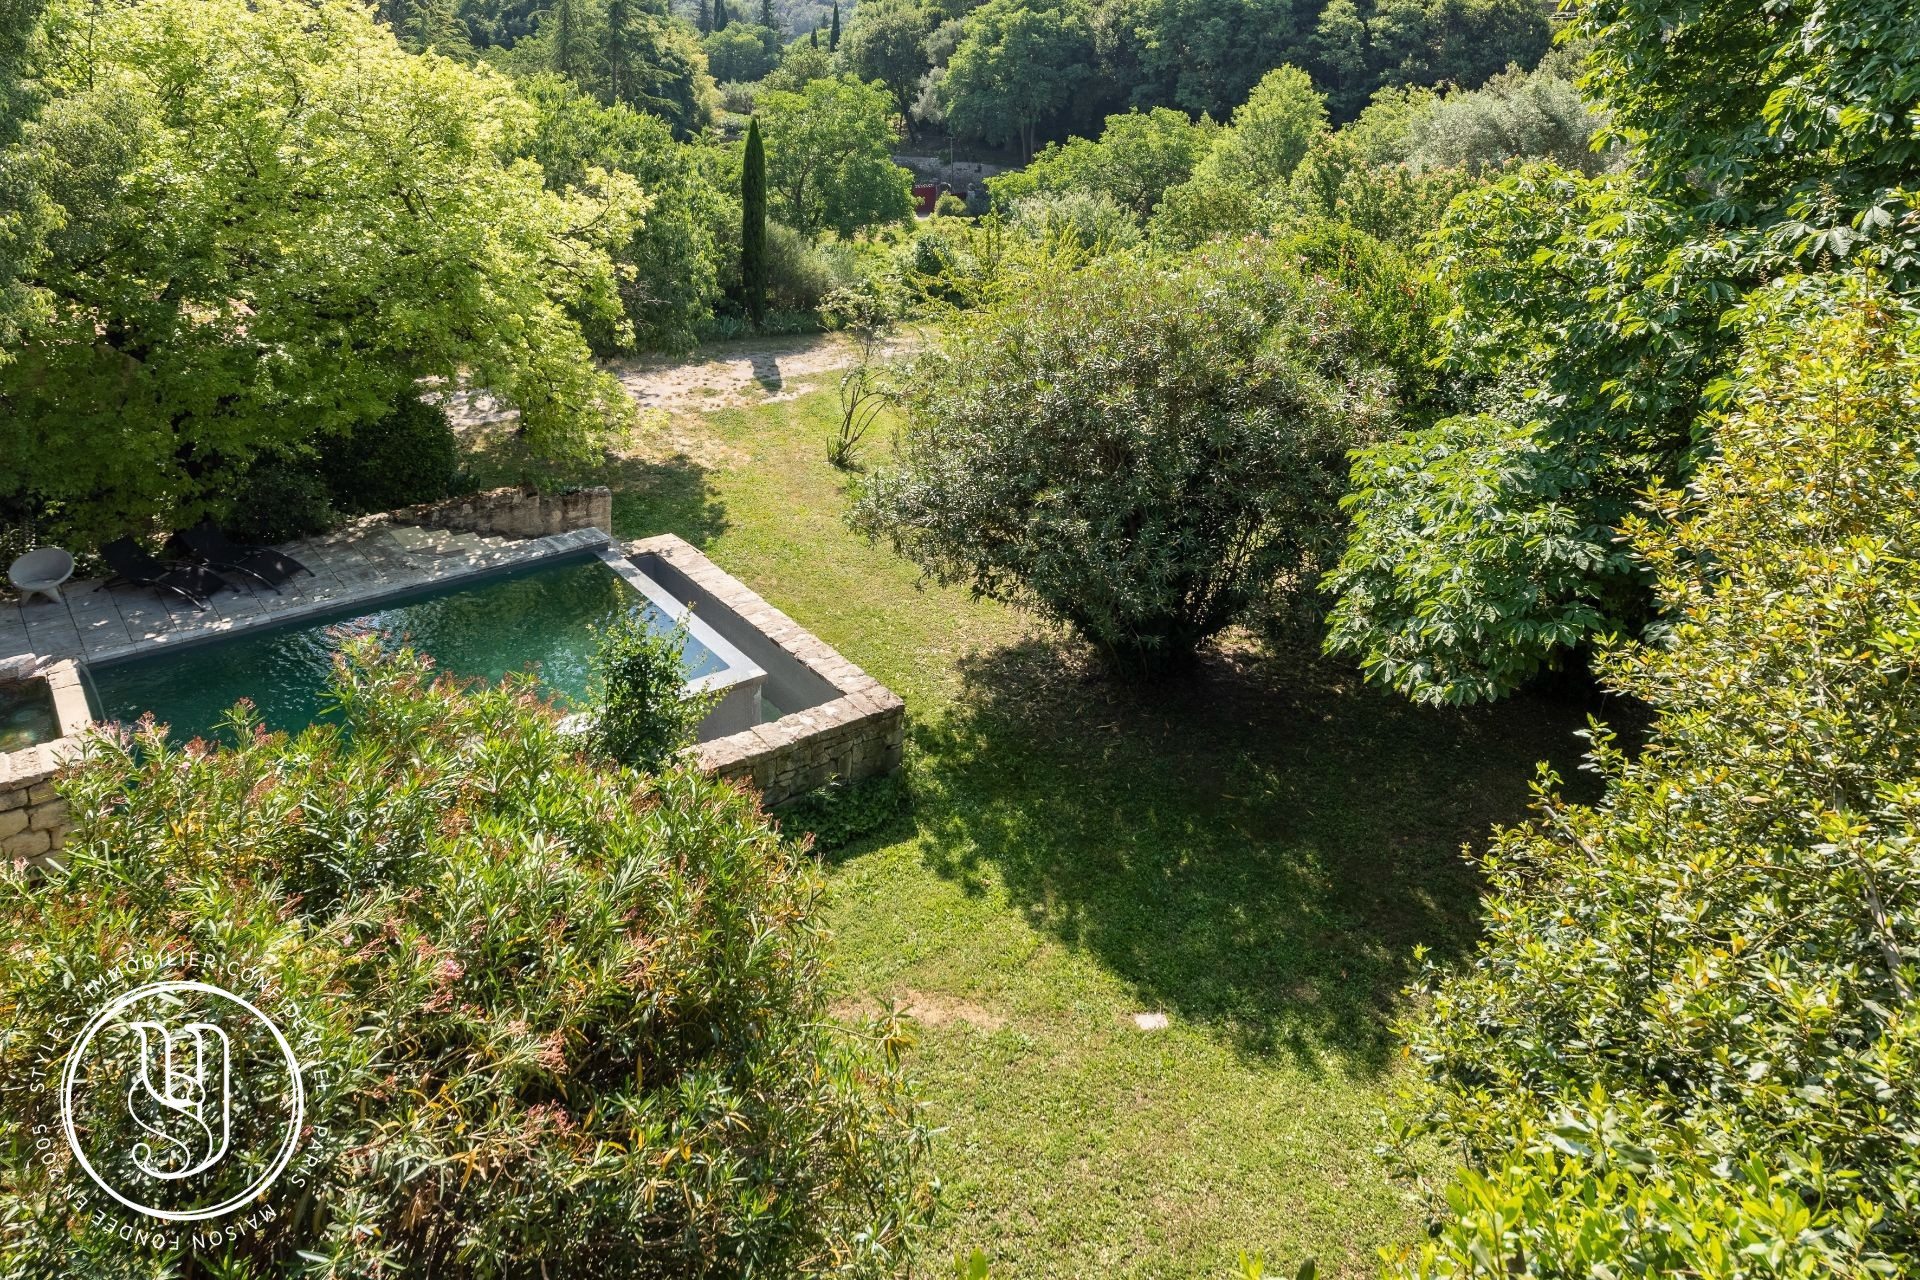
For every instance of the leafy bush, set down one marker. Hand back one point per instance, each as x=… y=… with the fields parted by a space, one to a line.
x=950 y=205
x=1142 y=451
x=1089 y=217
x=643 y=714
x=571 y=1018
x=1594 y=348
x=1469 y=569
x=842 y=812
x=803 y=272
x=280 y=499
x=1687 y=1044
x=409 y=456
x=1392 y=305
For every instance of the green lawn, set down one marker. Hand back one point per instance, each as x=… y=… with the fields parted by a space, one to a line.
x=1253 y=852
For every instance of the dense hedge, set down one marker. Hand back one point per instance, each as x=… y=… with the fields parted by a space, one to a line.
x=568 y=1020
x=1688 y=1044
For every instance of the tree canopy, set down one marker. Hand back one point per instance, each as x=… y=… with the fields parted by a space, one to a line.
x=282 y=251
x=830 y=157
x=1686 y=1044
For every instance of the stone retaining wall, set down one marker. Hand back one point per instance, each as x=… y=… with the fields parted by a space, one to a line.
x=858 y=732
x=33 y=820
x=515 y=513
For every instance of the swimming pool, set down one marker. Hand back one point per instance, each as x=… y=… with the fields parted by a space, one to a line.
x=546 y=617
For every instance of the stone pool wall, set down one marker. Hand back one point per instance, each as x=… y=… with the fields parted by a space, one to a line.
x=33 y=820
x=857 y=732
x=515 y=513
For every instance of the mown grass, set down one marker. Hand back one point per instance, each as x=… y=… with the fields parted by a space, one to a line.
x=1253 y=851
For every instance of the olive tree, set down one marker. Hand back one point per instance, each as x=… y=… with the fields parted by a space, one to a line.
x=1146 y=451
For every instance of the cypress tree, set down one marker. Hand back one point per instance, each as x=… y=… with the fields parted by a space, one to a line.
x=619 y=56
x=814 y=37
x=766 y=13
x=833 y=36
x=753 y=224
x=566 y=38
x=705 y=22
x=719 y=15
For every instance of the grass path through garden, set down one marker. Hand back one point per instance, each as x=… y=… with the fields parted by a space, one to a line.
x=1253 y=852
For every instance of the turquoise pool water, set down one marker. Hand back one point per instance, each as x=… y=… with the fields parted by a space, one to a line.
x=542 y=618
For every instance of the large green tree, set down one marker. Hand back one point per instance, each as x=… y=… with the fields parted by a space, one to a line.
x=1202 y=55
x=272 y=222
x=1137 y=157
x=1017 y=69
x=1686 y=1045
x=742 y=52
x=886 y=41
x=830 y=157
x=671 y=262
x=1591 y=310
x=1271 y=132
x=654 y=63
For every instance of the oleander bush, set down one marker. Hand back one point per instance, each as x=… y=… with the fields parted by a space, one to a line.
x=567 y=1019
x=1689 y=1043
x=1144 y=449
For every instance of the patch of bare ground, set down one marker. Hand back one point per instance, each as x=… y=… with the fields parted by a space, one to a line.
x=731 y=374
x=930 y=1009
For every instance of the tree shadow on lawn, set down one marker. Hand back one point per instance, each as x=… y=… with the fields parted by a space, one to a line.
x=1257 y=845
x=766 y=371
x=666 y=495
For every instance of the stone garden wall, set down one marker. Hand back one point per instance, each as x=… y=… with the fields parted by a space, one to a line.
x=33 y=820
x=515 y=513
x=856 y=727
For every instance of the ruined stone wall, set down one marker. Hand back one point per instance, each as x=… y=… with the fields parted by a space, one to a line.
x=516 y=513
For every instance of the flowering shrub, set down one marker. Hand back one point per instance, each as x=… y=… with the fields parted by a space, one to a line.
x=564 y=1020
x=1688 y=1043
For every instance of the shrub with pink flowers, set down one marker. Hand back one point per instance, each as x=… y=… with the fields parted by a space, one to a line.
x=555 y=1018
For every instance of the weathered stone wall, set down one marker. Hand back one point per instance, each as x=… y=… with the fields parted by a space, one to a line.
x=515 y=513
x=854 y=737
x=856 y=732
x=33 y=820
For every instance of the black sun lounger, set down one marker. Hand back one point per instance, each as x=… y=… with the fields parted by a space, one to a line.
x=262 y=564
x=131 y=563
